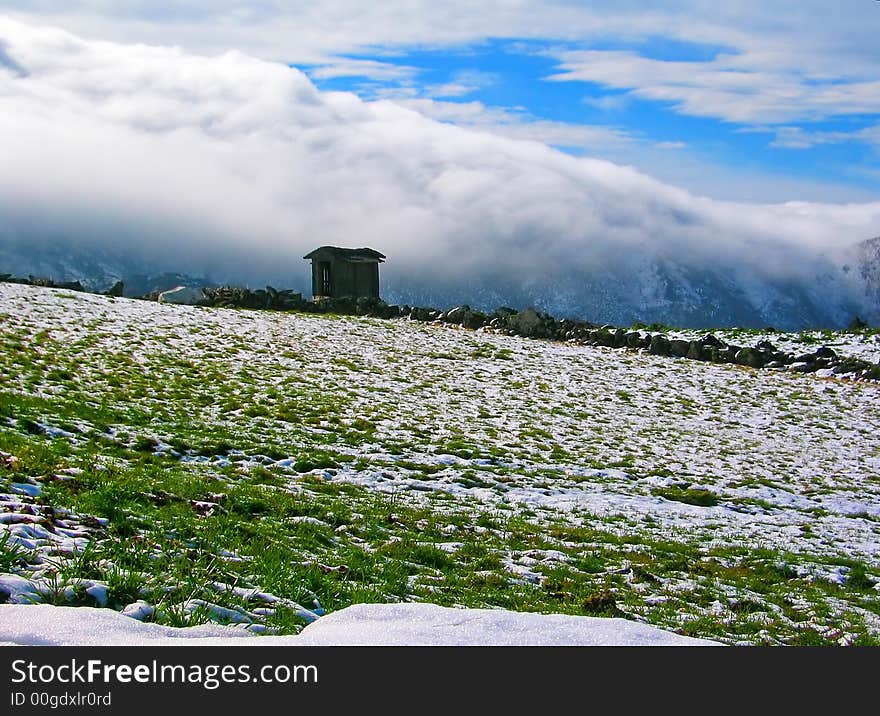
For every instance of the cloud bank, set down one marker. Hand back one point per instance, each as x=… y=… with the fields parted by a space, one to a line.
x=766 y=62
x=237 y=167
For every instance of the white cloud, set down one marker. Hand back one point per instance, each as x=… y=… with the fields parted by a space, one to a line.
x=462 y=83
x=682 y=167
x=301 y=31
x=518 y=124
x=609 y=102
x=370 y=69
x=815 y=36
x=240 y=163
x=789 y=137
x=449 y=89
x=781 y=62
x=736 y=88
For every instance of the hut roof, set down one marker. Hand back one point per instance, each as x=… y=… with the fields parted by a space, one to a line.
x=363 y=254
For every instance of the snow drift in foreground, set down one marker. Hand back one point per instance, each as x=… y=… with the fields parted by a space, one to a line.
x=358 y=625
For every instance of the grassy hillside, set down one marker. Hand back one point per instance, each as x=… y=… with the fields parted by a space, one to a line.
x=197 y=464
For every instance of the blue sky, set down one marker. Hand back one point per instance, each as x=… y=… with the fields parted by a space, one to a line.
x=829 y=155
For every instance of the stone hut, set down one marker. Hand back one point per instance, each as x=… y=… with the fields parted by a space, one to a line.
x=339 y=272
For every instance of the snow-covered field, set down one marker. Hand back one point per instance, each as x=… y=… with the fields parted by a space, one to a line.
x=717 y=500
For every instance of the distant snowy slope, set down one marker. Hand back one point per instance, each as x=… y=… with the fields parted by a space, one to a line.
x=618 y=290
x=358 y=625
x=869 y=273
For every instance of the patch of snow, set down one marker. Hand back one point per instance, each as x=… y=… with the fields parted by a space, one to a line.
x=305 y=519
x=18 y=590
x=654 y=600
x=23 y=488
x=98 y=592
x=523 y=572
x=359 y=625
x=233 y=616
x=139 y=610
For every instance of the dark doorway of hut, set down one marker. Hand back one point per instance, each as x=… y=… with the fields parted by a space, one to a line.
x=325 y=279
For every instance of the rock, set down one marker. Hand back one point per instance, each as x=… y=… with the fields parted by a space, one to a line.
x=183 y=295
x=634 y=339
x=717 y=355
x=603 y=337
x=679 y=348
x=476 y=320
x=115 y=290
x=288 y=300
x=698 y=351
x=342 y=306
x=456 y=315
x=528 y=323
x=751 y=357
x=369 y=306
x=464 y=316
x=576 y=331
x=420 y=314
x=710 y=340
x=872 y=373
x=659 y=345
x=504 y=313
x=825 y=352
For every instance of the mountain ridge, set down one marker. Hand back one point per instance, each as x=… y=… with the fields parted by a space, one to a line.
x=622 y=291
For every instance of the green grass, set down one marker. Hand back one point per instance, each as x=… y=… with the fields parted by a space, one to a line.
x=174 y=529
x=11 y=554
x=690 y=496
